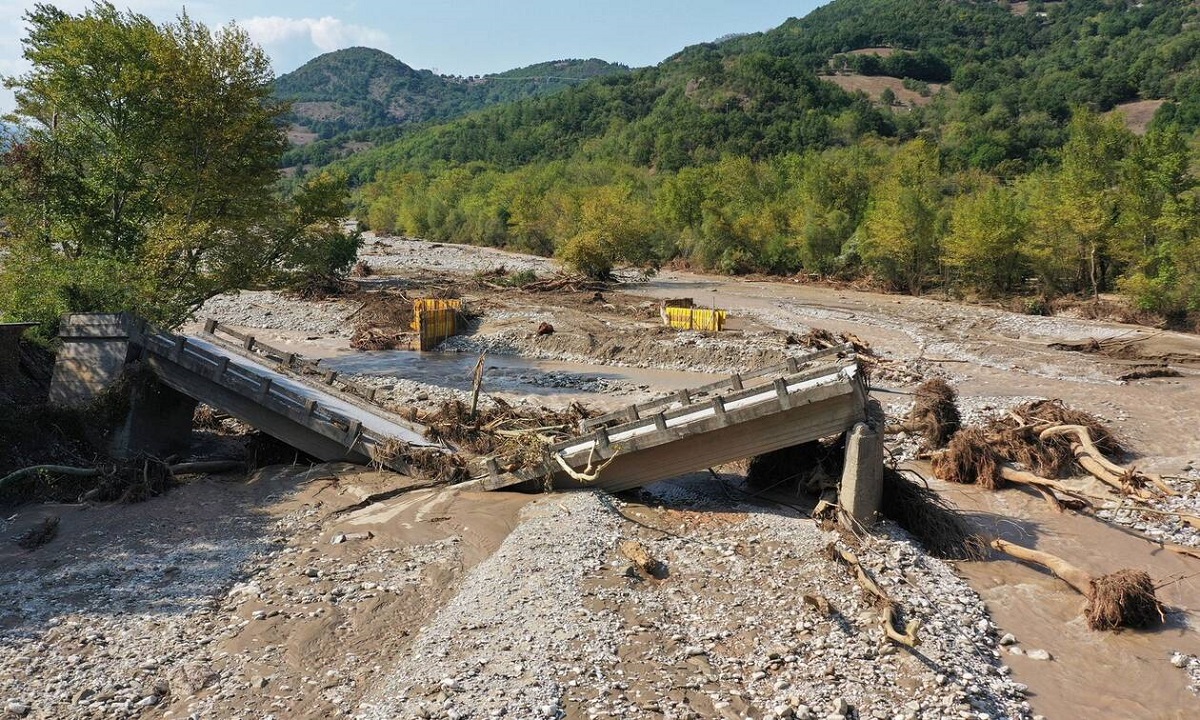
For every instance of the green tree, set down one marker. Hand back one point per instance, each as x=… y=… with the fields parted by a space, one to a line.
x=903 y=227
x=983 y=244
x=1074 y=215
x=1158 y=225
x=614 y=226
x=144 y=175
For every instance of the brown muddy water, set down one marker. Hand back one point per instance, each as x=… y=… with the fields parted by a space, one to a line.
x=1094 y=675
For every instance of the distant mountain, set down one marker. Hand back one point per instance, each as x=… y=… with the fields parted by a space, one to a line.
x=994 y=83
x=360 y=95
x=360 y=88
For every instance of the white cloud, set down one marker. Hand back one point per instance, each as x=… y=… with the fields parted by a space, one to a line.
x=297 y=35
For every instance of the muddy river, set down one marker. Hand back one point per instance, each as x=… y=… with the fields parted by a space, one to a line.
x=986 y=353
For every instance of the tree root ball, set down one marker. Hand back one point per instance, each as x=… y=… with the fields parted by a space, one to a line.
x=1123 y=599
x=970 y=459
x=935 y=411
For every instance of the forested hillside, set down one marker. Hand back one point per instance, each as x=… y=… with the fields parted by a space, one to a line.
x=991 y=161
x=360 y=95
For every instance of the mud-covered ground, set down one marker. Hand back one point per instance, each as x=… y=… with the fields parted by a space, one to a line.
x=291 y=594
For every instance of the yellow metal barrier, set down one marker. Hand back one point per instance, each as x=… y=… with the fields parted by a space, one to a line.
x=436 y=304
x=434 y=326
x=701 y=319
x=435 y=319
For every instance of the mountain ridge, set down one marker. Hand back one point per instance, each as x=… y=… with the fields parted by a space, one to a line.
x=361 y=89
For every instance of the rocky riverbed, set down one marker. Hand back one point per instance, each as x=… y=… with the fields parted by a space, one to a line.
x=327 y=591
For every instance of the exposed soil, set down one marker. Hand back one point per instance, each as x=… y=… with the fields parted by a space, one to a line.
x=1138 y=114
x=874 y=85
x=318 y=592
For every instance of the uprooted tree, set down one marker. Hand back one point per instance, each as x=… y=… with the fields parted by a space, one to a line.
x=142 y=172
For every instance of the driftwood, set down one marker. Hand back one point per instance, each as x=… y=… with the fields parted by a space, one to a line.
x=49 y=470
x=1094 y=461
x=887 y=606
x=190 y=468
x=476 y=385
x=1122 y=599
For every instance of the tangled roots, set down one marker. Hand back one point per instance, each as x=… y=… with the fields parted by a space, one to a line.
x=970 y=459
x=935 y=412
x=1123 y=599
x=928 y=518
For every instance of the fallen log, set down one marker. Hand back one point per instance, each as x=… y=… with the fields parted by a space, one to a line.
x=1121 y=599
x=50 y=470
x=188 y=468
x=887 y=606
x=1094 y=461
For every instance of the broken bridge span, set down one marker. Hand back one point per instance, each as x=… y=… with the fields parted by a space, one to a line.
x=292 y=399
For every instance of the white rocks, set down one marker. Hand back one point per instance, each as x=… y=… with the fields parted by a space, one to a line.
x=15 y=708
x=1038 y=655
x=1180 y=660
x=1008 y=639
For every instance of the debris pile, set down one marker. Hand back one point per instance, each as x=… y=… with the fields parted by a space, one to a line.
x=383 y=322
x=1040 y=445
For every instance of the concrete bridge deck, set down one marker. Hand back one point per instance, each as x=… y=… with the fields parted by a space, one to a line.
x=290 y=398
x=778 y=407
x=311 y=415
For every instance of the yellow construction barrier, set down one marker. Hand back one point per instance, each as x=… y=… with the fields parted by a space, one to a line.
x=436 y=304
x=435 y=319
x=702 y=319
x=434 y=326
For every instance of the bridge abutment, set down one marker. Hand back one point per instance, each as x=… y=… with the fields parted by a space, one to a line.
x=96 y=350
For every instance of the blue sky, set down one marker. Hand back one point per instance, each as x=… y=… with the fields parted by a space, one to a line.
x=457 y=37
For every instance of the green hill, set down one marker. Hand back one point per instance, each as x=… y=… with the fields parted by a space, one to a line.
x=869 y=137
x=358 y=96
x=1013 y=79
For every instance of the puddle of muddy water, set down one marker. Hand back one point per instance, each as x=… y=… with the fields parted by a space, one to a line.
x=509 y=373
x=1095 y=675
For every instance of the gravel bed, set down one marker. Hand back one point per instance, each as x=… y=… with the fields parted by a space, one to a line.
x=396 y=253
x=705 y=353
x=501 y=647
x=270 y=310
x=123 y=620
x=557 y=622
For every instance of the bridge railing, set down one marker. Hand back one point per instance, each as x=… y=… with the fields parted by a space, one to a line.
x=735 y=382
x=260 y=388
x=294 y=362
x=776 y=394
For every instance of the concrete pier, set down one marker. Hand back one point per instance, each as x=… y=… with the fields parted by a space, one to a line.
x=862 y=477
x=158 y=423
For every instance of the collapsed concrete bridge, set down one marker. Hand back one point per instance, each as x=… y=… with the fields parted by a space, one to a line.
x=310 y=408
x=777 y=407
x=313 y=412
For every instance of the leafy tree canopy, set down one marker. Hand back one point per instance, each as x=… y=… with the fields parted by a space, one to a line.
x=142 y=177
